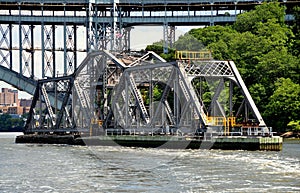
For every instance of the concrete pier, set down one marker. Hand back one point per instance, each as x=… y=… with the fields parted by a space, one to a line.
x=249 y=143
x=172 y=142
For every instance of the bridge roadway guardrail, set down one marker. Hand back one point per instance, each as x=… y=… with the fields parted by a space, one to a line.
x=130 y=12
x=249 y=131
x=130 y=21
x=141 y=2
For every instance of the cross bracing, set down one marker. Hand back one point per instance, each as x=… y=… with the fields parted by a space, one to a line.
x=208 y=68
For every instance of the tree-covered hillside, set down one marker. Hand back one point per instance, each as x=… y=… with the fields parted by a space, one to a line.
x=267 y=53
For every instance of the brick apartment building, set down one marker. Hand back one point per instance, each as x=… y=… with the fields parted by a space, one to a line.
x=9 y=97
x=9 y=102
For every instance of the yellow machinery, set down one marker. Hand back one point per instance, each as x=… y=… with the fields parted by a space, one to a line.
x=227 y=123
x=193 y=55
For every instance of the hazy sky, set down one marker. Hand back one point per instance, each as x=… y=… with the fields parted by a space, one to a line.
x=142 y=36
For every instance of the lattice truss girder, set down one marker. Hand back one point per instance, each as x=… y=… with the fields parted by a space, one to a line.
x=172 y=108
x=216 y=73
x=48 y=53
x=49 y=115
x=208 y=68
x=87 y=78
x=104 y=36
x=29 y=46
x=108 y=36
x=5 y=45
x=99 y=71
x=169 y=36
x=158 y=74
x=99 y=36
x=26 y=33
x=70 y=48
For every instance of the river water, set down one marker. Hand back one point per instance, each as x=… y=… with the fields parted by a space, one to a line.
x=64 y=168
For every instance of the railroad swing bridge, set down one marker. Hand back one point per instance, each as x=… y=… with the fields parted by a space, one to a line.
x=142 y=94
x=114 y=90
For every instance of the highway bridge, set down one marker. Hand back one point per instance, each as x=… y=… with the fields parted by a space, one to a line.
x=106 y=25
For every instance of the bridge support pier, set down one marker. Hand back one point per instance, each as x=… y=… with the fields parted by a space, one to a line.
x=169 y=37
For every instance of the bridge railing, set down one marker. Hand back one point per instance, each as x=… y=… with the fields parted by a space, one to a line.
x=193 y=55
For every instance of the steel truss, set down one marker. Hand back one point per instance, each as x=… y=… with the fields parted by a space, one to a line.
x=79 y=102
x=145 y=93
x=48 y=115
x=48 y=51
x=6 y=45
x=169 y=37
x=174 y=108
x=26 y=45
x=220 y=76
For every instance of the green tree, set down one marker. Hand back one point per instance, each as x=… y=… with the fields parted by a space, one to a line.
x=294 y=126
x=157 y=93
x=296 y=28
x=213 y=34
x=188 y=42
x=5 y=122
x=276 y=64
x=259 y=95
x=159 y=49
x=16 y=123
x=284 y=104
x=248 y=21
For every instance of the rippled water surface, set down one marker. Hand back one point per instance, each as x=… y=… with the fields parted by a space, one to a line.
x=62 y=168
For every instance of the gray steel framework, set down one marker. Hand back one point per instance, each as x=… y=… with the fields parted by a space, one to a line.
x=68 y=104
x=187 y=112
x=40 y=39
x=216 y=72
x=47 y=31
x=107 y=94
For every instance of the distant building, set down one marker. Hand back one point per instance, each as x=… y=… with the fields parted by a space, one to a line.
x=3 y=109
x=25 y=102
x=26 y=110
x=15 y=110
x=9 y=102
x=9 y=97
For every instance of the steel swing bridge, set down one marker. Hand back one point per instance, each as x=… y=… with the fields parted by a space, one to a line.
x=114 y=89
x=108 y=95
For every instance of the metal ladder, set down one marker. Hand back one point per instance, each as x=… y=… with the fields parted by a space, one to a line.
x=87 y=98
x=80 y=94
x=192 y=93
x=169 y=112
x=47 y=101
x=68 y=116
x=186 y=94
x=82 y=99
x=139 y=99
